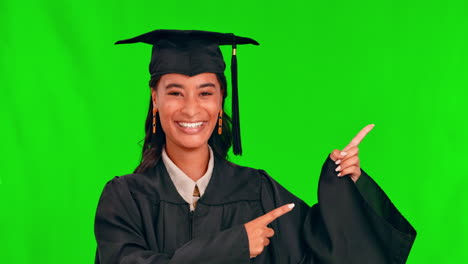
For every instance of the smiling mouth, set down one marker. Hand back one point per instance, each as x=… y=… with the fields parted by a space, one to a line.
x=190 y=124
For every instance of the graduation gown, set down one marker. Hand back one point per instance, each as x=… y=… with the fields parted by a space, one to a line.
x=142 y=219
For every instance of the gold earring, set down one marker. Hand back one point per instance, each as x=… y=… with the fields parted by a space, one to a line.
x=220 y=122
x=155 y=110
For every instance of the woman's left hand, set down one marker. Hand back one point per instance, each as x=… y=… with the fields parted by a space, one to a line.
x=347 y=160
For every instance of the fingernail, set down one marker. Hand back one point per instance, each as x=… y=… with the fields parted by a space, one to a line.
x=339 y=174
x=291 y=205
x=338 y=168
x=343 y=153
x=337 y=162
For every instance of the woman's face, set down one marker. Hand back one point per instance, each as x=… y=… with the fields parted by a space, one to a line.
x=188 y=108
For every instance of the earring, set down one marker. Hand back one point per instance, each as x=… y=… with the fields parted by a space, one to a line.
x=220 y=122
x=155 y=110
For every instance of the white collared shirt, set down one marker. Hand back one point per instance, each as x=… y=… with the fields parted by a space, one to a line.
x=183 y=183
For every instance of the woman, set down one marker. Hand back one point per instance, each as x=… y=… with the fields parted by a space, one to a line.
x=186 y=203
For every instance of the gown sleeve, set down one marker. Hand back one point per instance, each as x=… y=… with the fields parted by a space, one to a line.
x=120 y=238
x=351 y=223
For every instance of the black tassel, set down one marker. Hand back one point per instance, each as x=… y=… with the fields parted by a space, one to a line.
x=236 y=137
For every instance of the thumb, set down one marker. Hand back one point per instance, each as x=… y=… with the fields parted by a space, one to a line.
x=337 y=154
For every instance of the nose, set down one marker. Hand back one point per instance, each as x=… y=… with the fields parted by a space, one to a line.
x=191 y=106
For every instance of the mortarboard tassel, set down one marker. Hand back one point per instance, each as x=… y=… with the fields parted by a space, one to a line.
x=236 y=137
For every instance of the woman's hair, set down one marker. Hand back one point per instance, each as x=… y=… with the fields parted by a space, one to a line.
x=152 y=147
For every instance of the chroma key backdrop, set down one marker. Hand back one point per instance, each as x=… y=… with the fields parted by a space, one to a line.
x=74 y=105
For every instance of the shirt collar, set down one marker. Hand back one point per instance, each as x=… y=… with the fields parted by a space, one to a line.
x=182 y=182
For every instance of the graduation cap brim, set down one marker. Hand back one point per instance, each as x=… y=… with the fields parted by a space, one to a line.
x=191 y=52
x=220 y=38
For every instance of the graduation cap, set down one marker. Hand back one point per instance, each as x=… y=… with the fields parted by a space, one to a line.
x=191 y=52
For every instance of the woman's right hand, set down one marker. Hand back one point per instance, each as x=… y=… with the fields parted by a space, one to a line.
x=258 y=232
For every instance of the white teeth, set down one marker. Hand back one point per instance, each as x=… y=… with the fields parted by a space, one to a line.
x=191 y=125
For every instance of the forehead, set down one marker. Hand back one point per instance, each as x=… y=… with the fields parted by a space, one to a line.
x=189 y=80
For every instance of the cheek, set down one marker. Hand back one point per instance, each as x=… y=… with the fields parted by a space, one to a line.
x=213 y=109
x=166 y=111
x=218 y=103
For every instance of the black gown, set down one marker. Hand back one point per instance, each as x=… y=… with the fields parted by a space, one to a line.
x=141 y=218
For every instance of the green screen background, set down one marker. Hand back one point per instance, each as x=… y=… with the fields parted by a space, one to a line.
x=73 y=107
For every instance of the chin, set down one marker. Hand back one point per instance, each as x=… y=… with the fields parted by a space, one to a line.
x=191 y=142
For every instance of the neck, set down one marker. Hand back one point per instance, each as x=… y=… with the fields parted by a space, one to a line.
x=193 y=162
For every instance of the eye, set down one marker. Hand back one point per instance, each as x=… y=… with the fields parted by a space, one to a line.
x=206 y=93
x=174 y=93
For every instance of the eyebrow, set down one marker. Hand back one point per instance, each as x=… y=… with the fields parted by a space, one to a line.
x=176 y=85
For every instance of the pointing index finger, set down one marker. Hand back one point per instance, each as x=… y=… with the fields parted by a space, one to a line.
x=275 y=213
x=359 y=137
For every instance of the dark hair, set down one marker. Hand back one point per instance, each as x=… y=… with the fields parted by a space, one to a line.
x=153 y=143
